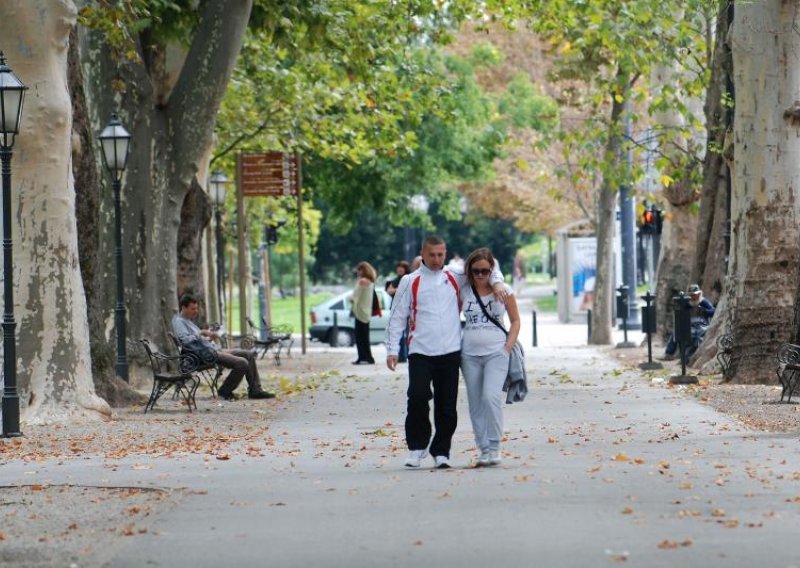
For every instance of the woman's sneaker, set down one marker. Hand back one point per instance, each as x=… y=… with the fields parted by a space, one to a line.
x=483 y=459
x=415 y=458
x=494 y=457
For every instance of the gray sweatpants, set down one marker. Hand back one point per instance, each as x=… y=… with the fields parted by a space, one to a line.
x=484 y=376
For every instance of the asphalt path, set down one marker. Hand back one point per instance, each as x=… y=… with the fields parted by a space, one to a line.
x=601 y=466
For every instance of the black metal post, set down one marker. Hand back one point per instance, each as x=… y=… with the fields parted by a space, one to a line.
x=589 y=326
x=649 y=327
x=220 y=266
x=683 y=336
x=623 y=312
x=334 y=342
x=10 y=402
x=535 y=335
x=119 y=311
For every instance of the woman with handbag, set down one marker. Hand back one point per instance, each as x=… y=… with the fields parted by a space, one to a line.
x=485 y=353
x=363 y=309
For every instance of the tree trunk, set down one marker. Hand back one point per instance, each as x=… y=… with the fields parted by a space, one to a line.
x=606 y=225
x=676 y=260
x=713 y=228
x=762 y=283
x=53 y=354
x=111 y=388
x=171 y=130
x=195 y=215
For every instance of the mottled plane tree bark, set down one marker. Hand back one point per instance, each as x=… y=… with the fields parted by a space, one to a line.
x=762 y=281
x=53 y=353
x=171 y=117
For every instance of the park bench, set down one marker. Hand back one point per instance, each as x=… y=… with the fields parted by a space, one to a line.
x=171 y=372
x=725 y=353
x=788 y=369
x=278 y=337
x=207 y=370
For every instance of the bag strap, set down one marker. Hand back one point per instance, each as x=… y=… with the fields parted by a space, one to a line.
x=486 y=312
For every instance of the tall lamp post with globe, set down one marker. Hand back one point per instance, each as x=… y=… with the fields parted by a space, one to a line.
x=115 y=143
x=12 y=94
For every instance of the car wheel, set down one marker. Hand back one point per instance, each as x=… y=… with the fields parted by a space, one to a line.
x=345 y=338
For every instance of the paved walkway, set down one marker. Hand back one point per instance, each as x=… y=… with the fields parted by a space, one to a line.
x=601 y=466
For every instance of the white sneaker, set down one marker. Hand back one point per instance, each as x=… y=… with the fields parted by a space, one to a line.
x=494 y=457
x=483 y=460
x=442 y=462
x=415 y=458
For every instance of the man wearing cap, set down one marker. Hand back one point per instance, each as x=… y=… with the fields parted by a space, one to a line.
x=702 y=311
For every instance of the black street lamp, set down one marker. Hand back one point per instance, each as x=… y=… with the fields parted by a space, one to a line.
x=115 y=141
x=218 y=181
x=12 y=93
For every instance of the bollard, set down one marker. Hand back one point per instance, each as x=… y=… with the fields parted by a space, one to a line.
x=589 y=325
x=683 y=336
x=649 y=327
x=623 y=312
x=335 y=331
x=535 y=337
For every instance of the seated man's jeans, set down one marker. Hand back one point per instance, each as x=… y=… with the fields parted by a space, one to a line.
x=698 y=333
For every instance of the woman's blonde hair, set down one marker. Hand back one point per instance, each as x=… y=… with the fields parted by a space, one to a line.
x=366 y=270
x=482 y=253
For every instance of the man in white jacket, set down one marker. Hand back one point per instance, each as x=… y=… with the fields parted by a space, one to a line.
x=429 y=299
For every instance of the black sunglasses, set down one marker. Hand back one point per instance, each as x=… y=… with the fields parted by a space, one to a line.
x=481 y=271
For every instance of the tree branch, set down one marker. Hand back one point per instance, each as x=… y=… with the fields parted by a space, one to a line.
x=204 y=77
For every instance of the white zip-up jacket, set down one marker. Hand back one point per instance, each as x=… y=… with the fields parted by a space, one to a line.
x=429 y=301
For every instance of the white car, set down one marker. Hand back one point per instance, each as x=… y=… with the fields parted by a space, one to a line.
x=322 y=320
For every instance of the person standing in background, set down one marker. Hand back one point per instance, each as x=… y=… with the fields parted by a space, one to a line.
x=363 y=295
x=401 y=270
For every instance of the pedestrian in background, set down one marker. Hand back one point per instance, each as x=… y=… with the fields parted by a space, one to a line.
x=485 y=353
x=363 y=301
x=401 y=270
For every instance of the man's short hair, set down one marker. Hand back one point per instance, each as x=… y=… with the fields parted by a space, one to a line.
x=187 y=300
x=433 y=240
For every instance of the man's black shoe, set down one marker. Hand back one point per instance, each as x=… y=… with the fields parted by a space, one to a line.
x=363 y=362
x=226 y=395
x=261 y=394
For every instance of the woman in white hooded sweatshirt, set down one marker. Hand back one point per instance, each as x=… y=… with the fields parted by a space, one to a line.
x=485 y=353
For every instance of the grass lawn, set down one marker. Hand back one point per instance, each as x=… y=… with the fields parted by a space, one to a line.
x=285 y=311
x=546 y=303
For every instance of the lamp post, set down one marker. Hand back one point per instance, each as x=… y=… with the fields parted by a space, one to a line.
x=12 y=93
x=218 y=181
x=115 y=141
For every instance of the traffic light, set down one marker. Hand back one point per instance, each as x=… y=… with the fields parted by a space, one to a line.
x=648 y=221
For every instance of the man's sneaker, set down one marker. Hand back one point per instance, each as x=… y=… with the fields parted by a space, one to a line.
x=483 y=460
x=415 y=458
x=442 y=462
x=494 y=457
x=667 y=357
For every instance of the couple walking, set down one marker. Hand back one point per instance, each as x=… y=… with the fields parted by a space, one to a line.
x=431 y=299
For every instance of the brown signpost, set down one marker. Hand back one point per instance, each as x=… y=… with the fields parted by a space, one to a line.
x=269 y=174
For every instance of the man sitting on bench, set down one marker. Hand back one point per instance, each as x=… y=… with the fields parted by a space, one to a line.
x=241 y=362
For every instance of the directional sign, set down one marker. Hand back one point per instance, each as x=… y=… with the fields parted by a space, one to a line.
x=268 y=174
